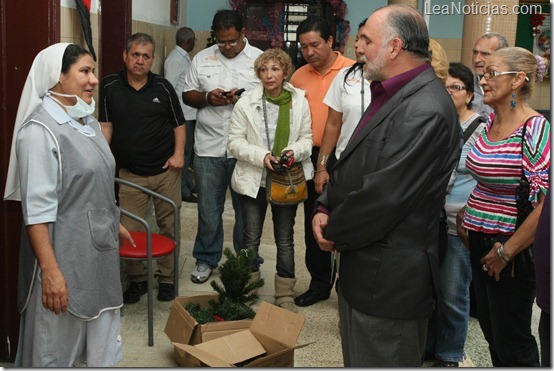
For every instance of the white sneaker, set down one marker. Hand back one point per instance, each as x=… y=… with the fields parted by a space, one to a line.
x=201 y=273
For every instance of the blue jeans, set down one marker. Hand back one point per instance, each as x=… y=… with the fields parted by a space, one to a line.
x=213 y=177
x=187 y=184
x=253 y=212
x=448 y=326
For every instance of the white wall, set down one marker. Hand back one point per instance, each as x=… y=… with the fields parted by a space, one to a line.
x=151 y=11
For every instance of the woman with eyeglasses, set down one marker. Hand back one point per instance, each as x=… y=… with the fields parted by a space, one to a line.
x=515 y=142
x=448 y=327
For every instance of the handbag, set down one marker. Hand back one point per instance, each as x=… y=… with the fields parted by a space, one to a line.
x=524 y=206
x=288 y=186
x=523 y=265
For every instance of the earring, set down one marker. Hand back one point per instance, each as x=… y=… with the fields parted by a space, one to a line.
x=513 y=101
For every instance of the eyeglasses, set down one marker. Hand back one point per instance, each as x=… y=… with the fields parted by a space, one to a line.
x=222 y=44
x=454 y=88
x=492 y=74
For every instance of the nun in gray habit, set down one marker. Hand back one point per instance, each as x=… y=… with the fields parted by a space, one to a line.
x=62 y=171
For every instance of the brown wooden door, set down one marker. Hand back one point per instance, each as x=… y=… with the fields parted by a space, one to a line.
x=26 y=27
x=115 y=28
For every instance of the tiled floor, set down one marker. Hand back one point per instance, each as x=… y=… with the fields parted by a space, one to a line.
x=320 y=328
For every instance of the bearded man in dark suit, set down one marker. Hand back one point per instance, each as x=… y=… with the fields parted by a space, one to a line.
x=382 y=205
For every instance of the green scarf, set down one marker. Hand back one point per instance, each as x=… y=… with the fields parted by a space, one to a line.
x=283 y=121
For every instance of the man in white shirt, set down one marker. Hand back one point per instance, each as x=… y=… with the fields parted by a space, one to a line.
x=485 y=45
x=216 y=77
x=176 y=67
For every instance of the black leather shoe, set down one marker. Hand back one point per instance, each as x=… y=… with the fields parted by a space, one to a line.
x=439 y=363
x=428 y=357
x=166 y=292
x=308 y=298
x=190 y=198
x=134 y=291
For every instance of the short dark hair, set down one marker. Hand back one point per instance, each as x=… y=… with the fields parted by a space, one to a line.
x=464 y=74
x=140 y=38
x=358 y=65
x=183 y=34
x=315 y=24
x=225 y=19
x=407 y=24
x=71 y=54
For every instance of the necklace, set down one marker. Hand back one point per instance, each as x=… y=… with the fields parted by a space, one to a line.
x=264 y=108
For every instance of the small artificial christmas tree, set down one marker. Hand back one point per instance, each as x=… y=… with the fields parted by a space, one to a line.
x=235 y=275
x=236 y=294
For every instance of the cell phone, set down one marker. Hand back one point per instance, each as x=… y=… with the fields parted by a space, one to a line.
x=237 y=93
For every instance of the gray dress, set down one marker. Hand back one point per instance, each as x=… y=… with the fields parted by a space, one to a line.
x=85 y=231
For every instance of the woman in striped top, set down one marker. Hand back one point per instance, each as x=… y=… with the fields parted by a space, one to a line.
x=503 y=269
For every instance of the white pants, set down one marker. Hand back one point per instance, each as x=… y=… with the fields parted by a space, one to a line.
x=47 y=339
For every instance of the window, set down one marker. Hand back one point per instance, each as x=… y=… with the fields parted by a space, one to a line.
x=294 y=14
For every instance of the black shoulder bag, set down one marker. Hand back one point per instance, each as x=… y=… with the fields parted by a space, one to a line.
x=524 y=206
x=523 y=264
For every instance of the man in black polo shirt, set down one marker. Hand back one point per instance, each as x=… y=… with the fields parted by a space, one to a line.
x=142 y=119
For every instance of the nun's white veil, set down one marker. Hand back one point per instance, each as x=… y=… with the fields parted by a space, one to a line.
x=44 y=74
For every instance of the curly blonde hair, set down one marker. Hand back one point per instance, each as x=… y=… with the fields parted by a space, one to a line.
x=277 y=55
x=439 y=60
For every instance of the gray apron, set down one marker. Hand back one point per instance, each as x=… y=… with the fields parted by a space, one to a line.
x=85 y=234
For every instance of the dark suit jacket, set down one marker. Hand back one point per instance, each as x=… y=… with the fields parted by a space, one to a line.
x=385 y=197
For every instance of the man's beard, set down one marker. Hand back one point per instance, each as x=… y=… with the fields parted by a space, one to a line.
x=373 y=71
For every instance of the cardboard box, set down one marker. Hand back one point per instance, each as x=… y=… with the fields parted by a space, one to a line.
x=181 y=327
x=269 y=341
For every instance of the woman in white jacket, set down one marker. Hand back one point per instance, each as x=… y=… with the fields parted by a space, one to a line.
x=278 y=113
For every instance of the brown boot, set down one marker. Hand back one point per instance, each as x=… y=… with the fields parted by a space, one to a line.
x=284 y=289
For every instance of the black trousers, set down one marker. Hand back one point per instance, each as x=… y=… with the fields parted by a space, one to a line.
x=317 y=261
x=504 y=308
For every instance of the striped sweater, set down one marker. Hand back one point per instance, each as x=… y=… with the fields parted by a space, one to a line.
x=491 y=207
